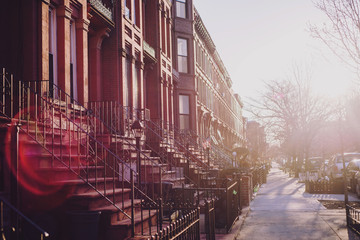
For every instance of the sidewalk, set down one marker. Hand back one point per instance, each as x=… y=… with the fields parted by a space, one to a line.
x=282 y=210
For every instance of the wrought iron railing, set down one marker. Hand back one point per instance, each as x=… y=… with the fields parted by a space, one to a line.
x=353 y=219
x=116 y=123
x=227 y=201
x=70 y=134
x=163 y=134
x=325 y=186
x=199 y=142
x=187 y=227
x=113 y=114
x=15 y=225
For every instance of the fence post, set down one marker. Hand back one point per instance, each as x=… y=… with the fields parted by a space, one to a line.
x=227 y=206
x=239 y=191
x=161 y=212
x=132 y=203
x=198 y=223
x=207 y=220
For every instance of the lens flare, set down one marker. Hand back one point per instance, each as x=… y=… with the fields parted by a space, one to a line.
x=37 y=166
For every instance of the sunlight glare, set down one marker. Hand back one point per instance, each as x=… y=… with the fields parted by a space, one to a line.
x=334 y=85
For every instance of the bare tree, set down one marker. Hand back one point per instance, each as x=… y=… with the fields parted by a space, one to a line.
x=291 y=113
x=342 y=35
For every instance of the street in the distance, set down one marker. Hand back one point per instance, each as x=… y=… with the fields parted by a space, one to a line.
x=282 y=210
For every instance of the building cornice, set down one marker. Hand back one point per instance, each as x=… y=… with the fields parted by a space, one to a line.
x=203 y=33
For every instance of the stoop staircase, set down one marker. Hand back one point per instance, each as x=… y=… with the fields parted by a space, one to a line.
x=65 y=165
x=193 y=164
x=113 y=115
x=181 y=165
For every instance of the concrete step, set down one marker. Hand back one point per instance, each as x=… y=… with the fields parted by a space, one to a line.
x=123 y=228
x=93 y=200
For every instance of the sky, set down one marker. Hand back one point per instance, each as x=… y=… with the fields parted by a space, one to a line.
x=262 y=40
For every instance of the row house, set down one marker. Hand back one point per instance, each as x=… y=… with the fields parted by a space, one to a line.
x=205 y=102
x=106 y=108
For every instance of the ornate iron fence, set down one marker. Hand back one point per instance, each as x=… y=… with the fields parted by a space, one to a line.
x=227 y=205
x=333 y=187
x=187 y=227
x=353 y=219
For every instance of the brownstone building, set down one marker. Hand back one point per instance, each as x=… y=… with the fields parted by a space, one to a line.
x=96 y=97
x=205 y=103
x=159 y=80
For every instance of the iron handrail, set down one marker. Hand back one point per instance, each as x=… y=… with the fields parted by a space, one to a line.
x=138 y=116
x=132 y=171
x=53 y=155
x=179 y=144
x=173 y=148
x=214 y=150
x=24 y=95
x=115 y=132
x=42 y=232
x=89 y=111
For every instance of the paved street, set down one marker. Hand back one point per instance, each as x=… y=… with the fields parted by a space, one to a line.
x=282 y=210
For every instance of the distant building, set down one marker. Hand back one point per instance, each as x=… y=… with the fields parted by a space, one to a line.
x=256 y=140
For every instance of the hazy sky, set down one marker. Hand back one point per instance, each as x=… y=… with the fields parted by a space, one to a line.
x=260 y=40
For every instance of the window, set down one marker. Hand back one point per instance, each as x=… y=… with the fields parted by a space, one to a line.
x=182 y=55
x=181 y=8
x=168 y=34
x=128 y=9
x=137 y=13
x=163 y=33
x=73 y=78
x=165 y=101
x=52 y=50
x=184 y=111
x=136 y=82
x=127 y=81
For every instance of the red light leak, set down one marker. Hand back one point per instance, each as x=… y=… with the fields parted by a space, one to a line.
x=34 y=172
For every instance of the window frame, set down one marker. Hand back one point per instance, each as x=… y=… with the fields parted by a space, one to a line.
x=184 y=116
x=128 y=77
x=181 y=8
x=73 y=63
x=127 y=9
x=53 y=64
x=182 y=68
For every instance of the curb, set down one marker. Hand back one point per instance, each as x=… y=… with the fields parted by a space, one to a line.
x=242 y=218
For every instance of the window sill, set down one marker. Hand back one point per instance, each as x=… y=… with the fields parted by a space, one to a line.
x=136 y=28
x=128 y=19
